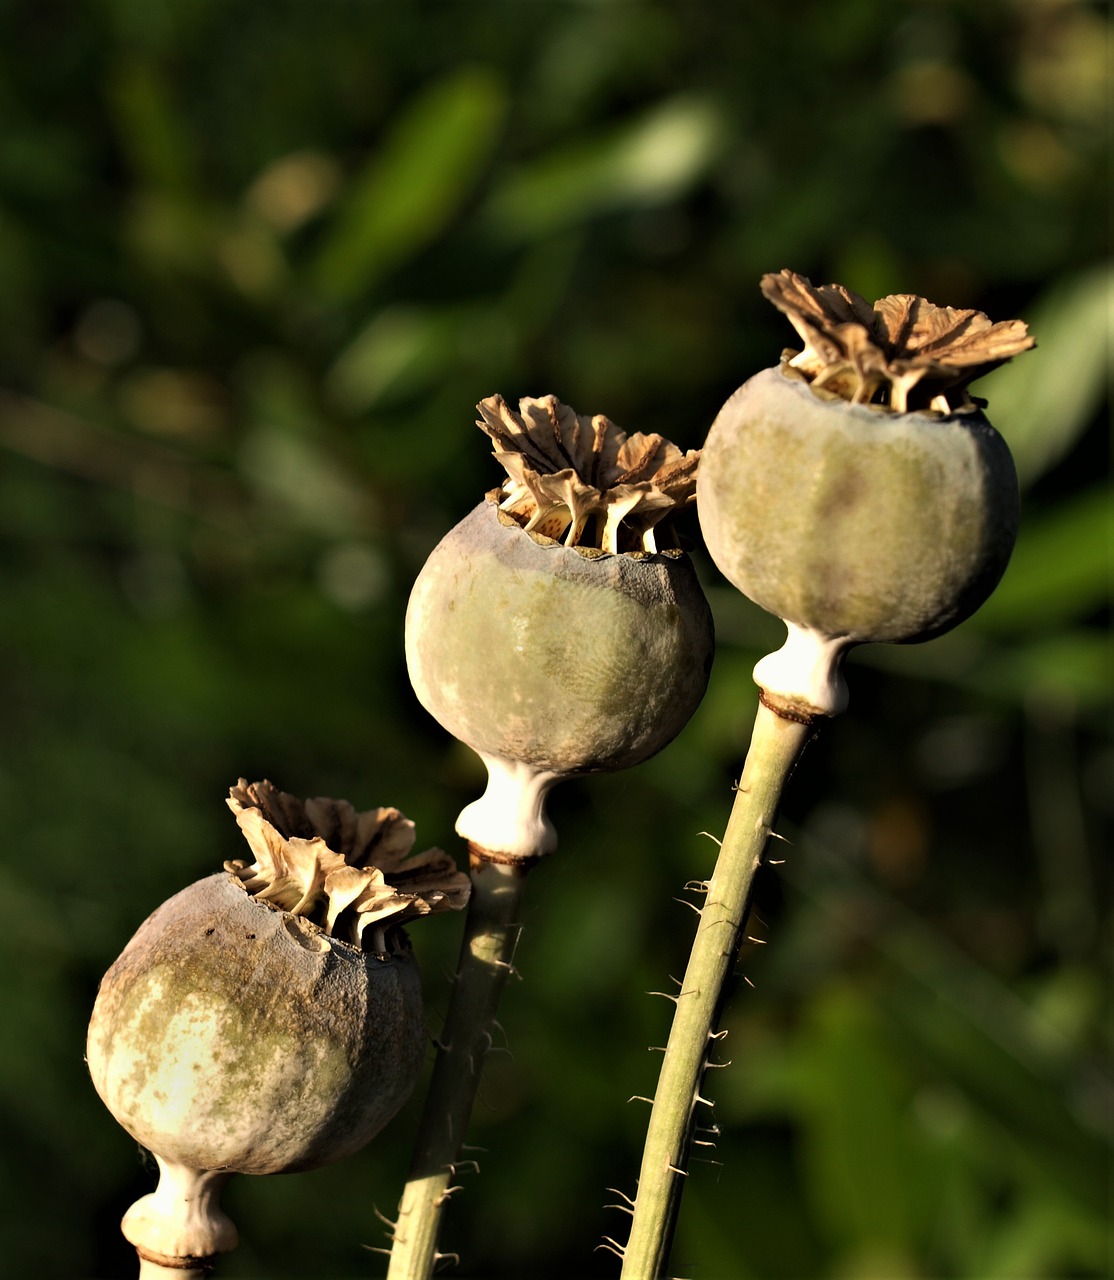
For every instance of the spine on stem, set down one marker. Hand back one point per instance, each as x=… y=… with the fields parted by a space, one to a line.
x=775 y=745
x=486 y=963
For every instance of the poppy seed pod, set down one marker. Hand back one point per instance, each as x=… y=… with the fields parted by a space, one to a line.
x=547 y=631
x=248 y=1027
x=231 y=1035
x=856 y=491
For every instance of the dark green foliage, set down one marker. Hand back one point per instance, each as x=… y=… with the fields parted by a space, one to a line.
x=258 y=261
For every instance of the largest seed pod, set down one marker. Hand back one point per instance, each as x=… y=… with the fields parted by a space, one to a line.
x=856 y=490
x=851 y=519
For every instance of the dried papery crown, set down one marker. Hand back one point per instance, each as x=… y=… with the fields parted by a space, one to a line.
x=581 y=480
x=344 y=871
x=902 y=353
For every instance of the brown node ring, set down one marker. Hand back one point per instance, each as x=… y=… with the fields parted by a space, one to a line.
x=176 y=1263
x=478 y=856
x=798 y=712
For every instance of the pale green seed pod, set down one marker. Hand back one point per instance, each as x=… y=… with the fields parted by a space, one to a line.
x=855 y=490
x=568 y=659
x=553 y=630
x=550 y=660
x=853 y=520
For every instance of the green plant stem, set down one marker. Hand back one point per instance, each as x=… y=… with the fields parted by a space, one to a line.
x=490 y=933
x=775 y=745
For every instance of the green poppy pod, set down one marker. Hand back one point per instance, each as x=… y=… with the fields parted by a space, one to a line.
x=547 y=630
x=231 y=1035
x=856 y=490
x=852 y=520
x=561 y=659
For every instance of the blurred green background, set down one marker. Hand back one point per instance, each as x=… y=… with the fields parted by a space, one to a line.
x=258 y=261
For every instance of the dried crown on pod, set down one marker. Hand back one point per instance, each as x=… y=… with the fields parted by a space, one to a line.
x=856 y=490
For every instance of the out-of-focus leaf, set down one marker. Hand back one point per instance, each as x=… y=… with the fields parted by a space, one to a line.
x=151 y=129
x=1060 y=569
x=649 y=161
x=1032 y=1241
x=414 y=183
x=861 y=1169
x=1043 y=401
x=307 y=482
x=992 y=1058
x=293 y=188
x=1072 y=668
x=402 y=345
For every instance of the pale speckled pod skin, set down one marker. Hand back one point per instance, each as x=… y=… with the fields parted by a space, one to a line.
x=534 y=652
x=223 y=1038
x=853 y=521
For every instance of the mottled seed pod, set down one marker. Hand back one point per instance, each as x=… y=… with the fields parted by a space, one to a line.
x=269 y=1018
x=231 y=1035
x=557 y=655
x=849 y=518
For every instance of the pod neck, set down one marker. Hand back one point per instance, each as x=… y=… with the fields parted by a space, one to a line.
x=509 y=819
x=180 y=1227
x=803 y=679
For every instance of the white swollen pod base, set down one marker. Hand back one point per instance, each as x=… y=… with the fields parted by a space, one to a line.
x=803 y=678
x=509 y=819
x=179 y=1228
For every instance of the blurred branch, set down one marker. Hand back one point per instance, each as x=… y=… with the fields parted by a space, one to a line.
x=1068 y=917
x=151 y=472
x=1008 y=1053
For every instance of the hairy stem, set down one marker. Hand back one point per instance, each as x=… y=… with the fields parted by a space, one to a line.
x=775 y=745
x=490 y=933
